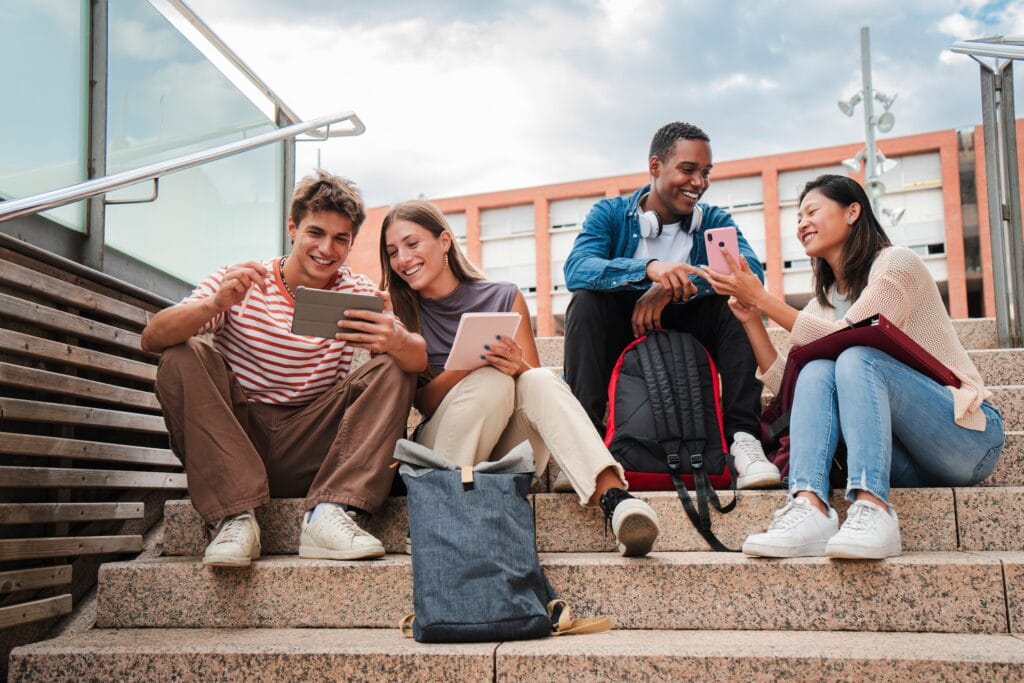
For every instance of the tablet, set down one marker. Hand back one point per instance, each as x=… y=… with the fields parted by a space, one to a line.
x=475 y=330
x=317 y=311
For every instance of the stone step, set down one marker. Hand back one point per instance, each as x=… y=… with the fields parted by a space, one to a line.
x=974 y=333
x=270 y=654
x=930 y=519
x=375 y=654
x=950 y=592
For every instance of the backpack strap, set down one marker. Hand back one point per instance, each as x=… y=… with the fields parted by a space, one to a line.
x=563 y=624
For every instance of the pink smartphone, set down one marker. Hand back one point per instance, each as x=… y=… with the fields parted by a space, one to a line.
x=718 y=238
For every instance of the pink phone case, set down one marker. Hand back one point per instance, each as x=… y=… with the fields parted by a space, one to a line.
x=716 y=239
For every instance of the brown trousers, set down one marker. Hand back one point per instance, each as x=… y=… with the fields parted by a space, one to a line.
x=239 y=454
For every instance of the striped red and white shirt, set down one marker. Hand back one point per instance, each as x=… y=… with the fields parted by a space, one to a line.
x=271 y=364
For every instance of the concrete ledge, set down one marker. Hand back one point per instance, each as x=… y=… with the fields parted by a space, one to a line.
x=939 y=592
x=763 y=656
x=249 y=655
x=927 y=520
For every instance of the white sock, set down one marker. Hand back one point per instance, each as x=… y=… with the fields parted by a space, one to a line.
x=320 y=507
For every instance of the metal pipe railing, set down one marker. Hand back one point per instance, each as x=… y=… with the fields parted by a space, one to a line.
x=90 y=188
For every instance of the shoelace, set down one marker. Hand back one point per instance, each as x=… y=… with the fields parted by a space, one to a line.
x=860 y=517
x=788 y=516
x=344 y=522
x=232 y=531
x=749 y=451
x=609 y=501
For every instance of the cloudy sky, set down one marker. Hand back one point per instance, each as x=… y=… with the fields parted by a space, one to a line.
x=463 y=96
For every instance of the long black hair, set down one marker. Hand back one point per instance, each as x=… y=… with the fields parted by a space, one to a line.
x=866 y=239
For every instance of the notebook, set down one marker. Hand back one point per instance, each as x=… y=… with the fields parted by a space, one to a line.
x=878 y=333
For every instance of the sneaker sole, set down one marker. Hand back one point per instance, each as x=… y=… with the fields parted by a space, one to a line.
x=233 y=562
x=317 y=553
x=806 y=550
x=759 y=481
x=854 y=552
x=637 y=535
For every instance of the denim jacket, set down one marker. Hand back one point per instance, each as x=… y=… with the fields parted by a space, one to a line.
x=602 y=255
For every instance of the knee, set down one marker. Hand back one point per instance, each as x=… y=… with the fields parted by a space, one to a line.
x=382 y=368
x=191 y=351
x=816 y=373
x=586 y=306
x=854 y=364
x=536 y=381
x=491 y=390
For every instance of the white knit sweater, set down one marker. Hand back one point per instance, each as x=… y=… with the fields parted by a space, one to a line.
x=900 y=288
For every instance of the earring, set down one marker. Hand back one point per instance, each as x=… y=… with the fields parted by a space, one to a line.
x=850 y=220
x=446 y=260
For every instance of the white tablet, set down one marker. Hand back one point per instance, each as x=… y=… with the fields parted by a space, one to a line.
x=476 y=330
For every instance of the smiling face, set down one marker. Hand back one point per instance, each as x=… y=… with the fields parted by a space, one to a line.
x=680 y=181
x=320 y=244
x=416 y=256
x=823 y=225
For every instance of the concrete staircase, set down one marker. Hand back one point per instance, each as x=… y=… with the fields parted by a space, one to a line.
x=951 y=608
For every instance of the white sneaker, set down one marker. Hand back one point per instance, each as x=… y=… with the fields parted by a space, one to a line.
x=753 y=468
x=633 y=522
x=869 y=533
x=797 y=530
x=236 y=543
x=336 y=536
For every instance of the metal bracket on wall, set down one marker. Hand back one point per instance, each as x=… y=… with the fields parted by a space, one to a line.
x=145 y=200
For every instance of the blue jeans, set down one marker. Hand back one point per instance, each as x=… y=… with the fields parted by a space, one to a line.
x=897 y=424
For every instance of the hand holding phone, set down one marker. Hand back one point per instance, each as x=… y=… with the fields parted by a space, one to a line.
x=718 y=239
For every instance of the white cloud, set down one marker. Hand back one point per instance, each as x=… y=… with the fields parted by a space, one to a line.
x=958 y=26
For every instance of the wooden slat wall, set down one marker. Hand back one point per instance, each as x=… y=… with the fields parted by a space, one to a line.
x=82 y=442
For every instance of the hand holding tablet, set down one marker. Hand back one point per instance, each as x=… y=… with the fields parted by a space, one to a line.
x=476 y=330
x=317 y=311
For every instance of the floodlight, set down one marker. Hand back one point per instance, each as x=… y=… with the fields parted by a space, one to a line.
x=885 y=100
x=885 y=122
x=846 y=106
x=895 y=215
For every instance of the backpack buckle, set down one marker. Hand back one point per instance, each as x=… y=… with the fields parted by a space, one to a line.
x=673 y=462
x=696 y=461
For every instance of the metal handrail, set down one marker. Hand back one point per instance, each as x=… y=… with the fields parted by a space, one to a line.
x=199 y=25
x=97 y=186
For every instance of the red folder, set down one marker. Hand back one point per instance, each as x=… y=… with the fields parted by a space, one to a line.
x=878 y=333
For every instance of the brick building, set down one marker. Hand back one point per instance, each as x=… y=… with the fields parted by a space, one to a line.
x=523 y=235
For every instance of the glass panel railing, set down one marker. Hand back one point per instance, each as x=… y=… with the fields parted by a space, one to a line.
x=166 y=99
x=43 y=120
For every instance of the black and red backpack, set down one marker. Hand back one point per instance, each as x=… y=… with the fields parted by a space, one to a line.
x=665 y=423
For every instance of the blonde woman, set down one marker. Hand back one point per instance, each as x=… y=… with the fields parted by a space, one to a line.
x=473 y=416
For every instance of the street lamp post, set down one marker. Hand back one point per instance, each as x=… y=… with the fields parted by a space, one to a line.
x=874 y=160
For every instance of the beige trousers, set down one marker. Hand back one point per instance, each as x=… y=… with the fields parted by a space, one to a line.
x=488 y=413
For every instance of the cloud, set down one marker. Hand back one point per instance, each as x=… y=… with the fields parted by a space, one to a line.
x=464 y=97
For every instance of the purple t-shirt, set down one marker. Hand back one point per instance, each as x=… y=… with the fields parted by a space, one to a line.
x=439 y=318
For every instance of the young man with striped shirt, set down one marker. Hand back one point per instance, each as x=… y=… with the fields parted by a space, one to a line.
x=256 y=412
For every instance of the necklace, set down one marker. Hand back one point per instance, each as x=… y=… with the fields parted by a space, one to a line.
x=284 y=281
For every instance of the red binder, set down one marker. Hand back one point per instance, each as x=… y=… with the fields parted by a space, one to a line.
x=878 y=333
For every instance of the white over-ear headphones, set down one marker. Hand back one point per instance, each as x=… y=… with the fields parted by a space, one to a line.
x=650 y=221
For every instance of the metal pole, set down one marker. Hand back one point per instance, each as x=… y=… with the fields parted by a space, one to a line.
x=1003 y=197
x=871 y=181
x=1011 y=206
x=287 y=176
x=95 y=222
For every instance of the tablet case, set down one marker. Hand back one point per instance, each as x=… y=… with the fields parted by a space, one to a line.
x=317 y=311
x=475 y=330
x=879 y=333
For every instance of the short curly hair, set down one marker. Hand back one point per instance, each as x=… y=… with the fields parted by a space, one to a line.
x=323 y=191
x=664 y=140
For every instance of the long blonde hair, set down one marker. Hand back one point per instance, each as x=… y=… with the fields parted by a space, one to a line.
x=404 y=299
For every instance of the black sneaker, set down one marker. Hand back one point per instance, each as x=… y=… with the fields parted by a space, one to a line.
x=633 y=522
